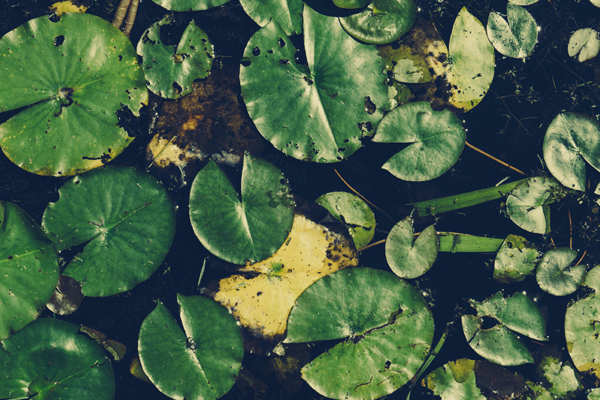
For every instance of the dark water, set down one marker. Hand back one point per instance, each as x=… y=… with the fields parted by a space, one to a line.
x=509 y=123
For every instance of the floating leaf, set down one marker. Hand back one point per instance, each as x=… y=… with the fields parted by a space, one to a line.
x=28 y=267
x=126 y=221
x=49 y=360
x=248 y=229
x=556 y=276
x=287 y=13
x=352 y=211
x=351 y=3
x=515 y=38
x=585 y=42
x=405 y=258
x=262 y=302
x=306 y=111
x=437 y=140
x=527 y=205
x=411 y=69
x=570 y=139
x=203 y=360
x=564 y=380
x=67 y=296
x=385 y=321
x=189 y=5
x=72 y=76
x=383 y=21
x=515 y=260
x=170 y=70
x=523 y=2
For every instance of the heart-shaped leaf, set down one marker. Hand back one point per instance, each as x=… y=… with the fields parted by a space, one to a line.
x=527 y=205
x=556 y=276
x=170 y=70
x=248 y=229
x=28 y=267
x=319 y=111
x=516 y=37
x=407 y=257
x=570 y=139
x=288 y=13
x=203 y=360
x=515 y=260
x=437 y=138
x=74 y=75
x=126 y=221
x=584 y=42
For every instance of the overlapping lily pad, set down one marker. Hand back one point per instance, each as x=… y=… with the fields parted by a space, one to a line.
x=409 y=257
x=528 y=204
x=250 y=228
x=516 y=37
x=170 y=70
x=351 y=3
x=72 y=76
x=319 y=111
x=126 y=221
x=287 y=13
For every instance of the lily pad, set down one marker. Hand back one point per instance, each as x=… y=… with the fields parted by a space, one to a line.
x=383 y=21
x=262 y=302
x=28 y=267
x=288 y=13
x=516 y=314
x=170 y=70
x=72 y=76
x=556 y=276
x=528 y=204
x=352 y=211
x=49 y=360
x=516 y=259
x=407 y=259
x=584 y=42
x=570 y=139
x=437 y=140
x=126 y=221
x=523 y=2
x=189 y=5
x=387 y=327
x=516 y=37
x=203 y=360
x=248 y=229
x=351 y=3
x=319 y=111
x=411 y=69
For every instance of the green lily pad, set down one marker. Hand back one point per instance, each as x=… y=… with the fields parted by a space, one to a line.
x=288 y=13
x=126 y=221
x=412 y=68
x=351 y=3
x=570 y=139
x=584 y=42
x=527 y=205
x=203 y=360
x=383 y=21
x=555 y=274
x=49 y=360
x=564 y=380
x=189 y=5
x=320 y=111
x=28 y=267
x=170 y=70
x=74 y=75
x=437 y=138
x=516 y=37
x=471 y=56
x=455 y=380
x=581 y=332
x=354 y=212
x=248 y=229
x=517 y=314
x=523 y=2
x=385 y=321
x=516 y=259
x=409 y=259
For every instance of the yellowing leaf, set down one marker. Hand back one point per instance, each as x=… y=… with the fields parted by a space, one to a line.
x=65 y=7
x=262 y=302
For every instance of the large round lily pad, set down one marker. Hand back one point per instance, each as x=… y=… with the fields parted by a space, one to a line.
x=49 y=360
x=387 y=327
x=287 y=13
x=437 y=140
x=72 y=76
x=319 y=111
x=203 y=360
x=28 y=267
x=126 y=221
x=248 y=229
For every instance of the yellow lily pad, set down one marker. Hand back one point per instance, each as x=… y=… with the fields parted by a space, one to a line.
x=261 y=297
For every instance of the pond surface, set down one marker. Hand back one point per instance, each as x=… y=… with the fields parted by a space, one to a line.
x=509 y=123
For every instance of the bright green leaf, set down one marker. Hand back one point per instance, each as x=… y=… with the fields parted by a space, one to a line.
x=461 y=243
x=203 y=360
x=126 y=221
x=405 y=258
x=74 y=75
x=170 y=70
x=515 y=260
x=556 y=276
x=437 y=140
x=564 y=380
x=248 y=229
x=189 y=5
x=515 y=38
x=288 y=13
x=584 y=42
x=527 y=205
x=320 y=111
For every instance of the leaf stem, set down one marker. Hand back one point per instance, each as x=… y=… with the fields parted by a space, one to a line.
x=494 y=158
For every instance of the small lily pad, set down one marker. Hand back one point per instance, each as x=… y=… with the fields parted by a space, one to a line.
x=528 y=204
x=516 y=37
x=407 y=257
x=411 y=69
x=170 y=70
x=584 y=42
x=516 y=259
x=556 y=276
